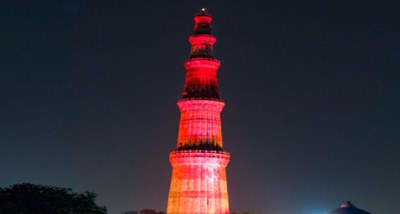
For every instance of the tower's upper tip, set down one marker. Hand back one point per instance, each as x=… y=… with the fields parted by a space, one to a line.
x=203 y=12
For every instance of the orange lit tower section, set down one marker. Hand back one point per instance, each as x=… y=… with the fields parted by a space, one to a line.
x=198 y=183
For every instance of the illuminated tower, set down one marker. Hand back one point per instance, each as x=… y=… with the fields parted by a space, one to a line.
x=198 y=183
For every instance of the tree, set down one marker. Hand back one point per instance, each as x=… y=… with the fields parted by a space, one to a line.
x=144 y=211
x=150 y=211
x=131 y=212
x=33 y=199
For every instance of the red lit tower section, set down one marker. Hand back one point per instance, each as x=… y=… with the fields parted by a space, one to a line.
x=198 y=183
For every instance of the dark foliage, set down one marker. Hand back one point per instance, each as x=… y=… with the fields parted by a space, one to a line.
x=37 y=199
x=131 y=212
x=149 y=211
x=145 y=211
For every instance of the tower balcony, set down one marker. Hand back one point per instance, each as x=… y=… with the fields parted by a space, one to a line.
x=199 y=157
x=200 y=63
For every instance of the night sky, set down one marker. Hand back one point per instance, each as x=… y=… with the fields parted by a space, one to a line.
x=88 y=93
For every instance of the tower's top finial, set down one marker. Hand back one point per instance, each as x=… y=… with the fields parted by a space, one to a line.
x=203 y=12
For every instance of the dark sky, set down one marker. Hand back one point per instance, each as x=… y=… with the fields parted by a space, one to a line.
x=88 y=93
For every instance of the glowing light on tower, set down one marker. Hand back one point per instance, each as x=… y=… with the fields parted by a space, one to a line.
x=198 y=183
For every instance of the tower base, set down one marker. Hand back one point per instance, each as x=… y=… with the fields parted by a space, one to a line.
x=198 y=184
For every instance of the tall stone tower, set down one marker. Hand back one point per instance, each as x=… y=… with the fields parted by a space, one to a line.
x=198 y=183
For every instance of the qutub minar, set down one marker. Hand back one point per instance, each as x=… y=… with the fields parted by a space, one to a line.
x=198 y=183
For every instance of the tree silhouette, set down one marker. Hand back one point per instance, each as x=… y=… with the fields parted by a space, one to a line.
x=150 y=211
x=33 y=199
x=131 y=212
x=144 y=211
